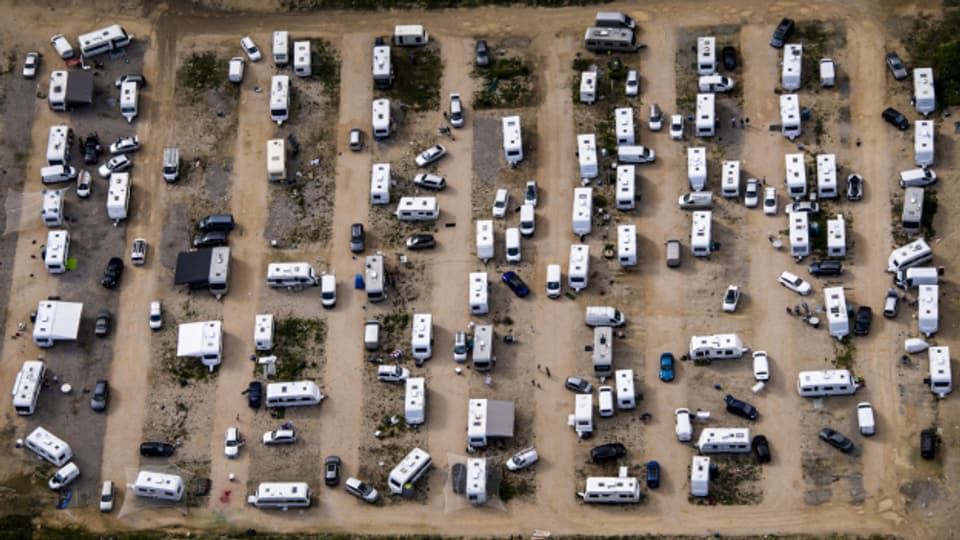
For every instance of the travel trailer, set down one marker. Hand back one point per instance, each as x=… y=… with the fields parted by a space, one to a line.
x=203 y=340
x=476 y=481
x=118 y=196
x=792 y=66
x=836 y=237
x=626 y=389
x=916 y=276
x=790 y=116
x=578 y=271
x=27 y=386
x=730 y=179
x=706 y=123
x=827 y=176
x=587 y=155
x=627 y=245
x=373 y=278
x=700 y=476
x=706 y=55
x=915 y=253
x=796 y=175
x=489 y=420
x=49 y=447
x=923 y=91
x=57 y=251
x=928 y=309
x=485 y=245
x=301 y=58
x=421 y=340
x=483 y=358
x=588 y=87
x=626 y=187
x=410 y=469
x=293 y=394
x=263 y=332
x=826 y=382
x=129 y=100
x=410 y=35
x=418 y=209
x=799 y=234
x=697 y=167
x=621 y=489
x=281 y=47
x=382 y=67
x=922 y=143
x=724 y=441
x=700 y=242
x=838 y=320
x=941 y=377
x=623 y=117
x=110 y=38
x=605 y=39
x=56 y=321
x=716 y=347
x=154 y=485
x=59 y=142
x=912 y=216
x=512 y=140
x=281 y=495
x=828 y=73
x=582 y=211
x=478 y=293
x=280 y=99
x=415 y=401
x=380 y=183
x=294 y=275
x=582 y=418
x=276 y=160
x=52 y=210
x=381 y=124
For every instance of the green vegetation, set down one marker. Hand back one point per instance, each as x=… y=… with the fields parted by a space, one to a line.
x=506 y=84
x=311 y=5
x=396 y=322
x=418 y=75
x=325 y=66
x=818 y=231
x=295 y=342
x=936 y=43
x=816 y=45
x=389 y=429
x=734 y=482
x=845 y=353
x=513 y=486
x=200 y=73
x=184 y=368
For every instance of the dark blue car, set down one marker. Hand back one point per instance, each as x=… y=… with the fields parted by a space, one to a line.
x=653 y=474
x=666 y=367
x=516 y=284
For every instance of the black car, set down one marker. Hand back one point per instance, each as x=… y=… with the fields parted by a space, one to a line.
x=861 y=324
x=102 y=326
x=483 y=53
x=740 y=408
x=331 y=470
x=729 y=57
x=111 y=276
x=421 y=241
x=254 y=394
x=762 y=448
x=836 y=440
x=928 y=443
x=156 y=449
x=854 y=187
x=131 y=77
x=782 y=33
x=896 y=118
x=101 y=395
x=216 y=222
x=91 y=149
x=516 y=284
x=357 y=238
x=211 y=239
x=607 y=452
x=825 y=268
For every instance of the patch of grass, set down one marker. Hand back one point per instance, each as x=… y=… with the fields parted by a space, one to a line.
x=936 y=43
x=418 y=72
x=388 y=429
x=513 y=486
x=733 y=481
x=815 y=38
x=201 y=72
x=396 y=322
x=506 y=84
x=184 y=368
x=845 y=353
x=325 y=66
x=297 y=344
x=373 y=5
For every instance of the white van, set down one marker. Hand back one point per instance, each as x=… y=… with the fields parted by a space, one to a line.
x=410 y=469
x=528 y=220
x=129 y=100
x=49 y=447
x=281 y=495
x=684 y=427
x=328 y=290
x=917 y=177
x=54 y=174
x=605 y=401
x=554 y=281
x=865 y=419
x=235 y=69
x=513 y=244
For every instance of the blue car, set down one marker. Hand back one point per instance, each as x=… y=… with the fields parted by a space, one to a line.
x=666 y=367
x=516 y=284
x=653 y=474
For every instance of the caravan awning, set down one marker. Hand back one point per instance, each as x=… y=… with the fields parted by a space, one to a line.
x=80 y=87
x=500 y=415
x=193 y=268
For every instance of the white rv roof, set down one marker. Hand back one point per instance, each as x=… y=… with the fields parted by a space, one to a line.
x=792 y=59
x=156 y=480
x=716 y=341
x=611 y=484
x=917 y=246
x=836 y=231
x=588 y=81
x=624 y=120
x=279 y=86
x=199 y=338
x=706 y=109
x=723 y=435
x=701 y=226
x=697 y=161
x=478 y=286
x=381 y=60
x=789 y=109
x=799 y=227
x=583 y=406
x=119 y=184
x=407 y=29
x=58 y=320
x=415 y=390
x=28 y=380
x=417 y=203
x=796 y=170
x=706 y=47
x=939 y=361
x=276 y=155
x=836 y=303
x=587 y=144
x=511 y=132
x=825 y=376
x=923 y=83
x=381 y=113
x=292 y=388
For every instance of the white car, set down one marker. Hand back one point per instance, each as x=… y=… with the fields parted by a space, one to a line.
x=430 y=181
x=751 y=195
x=530 y=193
x=253 y=53
x=280 y=436
x=125 y=145
x=500 y=202
x=361 y=490
x=523 y=459
x=770 y=201
x=83 y=184
x=235 y=69
x=30 y=64
x=156 y=315
x=232 y=442
x=632 y=87
x=731 y=298
x=656 y=118
x=460 y=347
x=64 y=476
x=761 y=366
x=676 y=127
x=430 y=155
x=795 y=283
x=63 y=46
x=107 y=495
x=118 y=163
x=392 y=373
x=456 y=111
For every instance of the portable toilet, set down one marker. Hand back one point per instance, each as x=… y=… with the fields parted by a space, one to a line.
x=697 y=167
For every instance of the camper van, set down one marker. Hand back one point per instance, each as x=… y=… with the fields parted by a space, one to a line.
x=627 y=245
x=26 y=388
x=715 y=84
x=301 y=58
x=827 y=176
x=381 y=124
x=380 y=184
x=916 y=276
x=410 y=35
x=928 y=309
x=129 y=100
x=276 y=160
x=790 y=116
x=716 y=347
x=614 y=19
x=626 y=390
x=792 y=65
x=418 y=209
x=922 y=143
x=724 y=441
x=837 y=237
x=796 y=175
x=697 y=167
x=838 y=320
x=706 y=123
x=295 y=275
x=528 y=220
x=476 y=482
x=415 y=401
x=118 y=196
x=49 y=447
x=373 y=278
x=799 y=234
x=941 y=378
x=485 y=245
x=281 y=47
x=154 y=485
x=382 y=67
x=410 y=469
x=588 y=87
x=587 y=155
x=578 y=271
x=604 y=316
x=512 y=247
x=293 y=394
x=582 y=211
x=512 y=140
x=923 y=92
x=912 y=216
x=603 y=352
x=730 y=179
x=623 y=117
x=635 y=153
x=421 y=340
x=700 y=242
x=478 y=293
x=59 y=143
x=683 y=427
x=700 y=476
x=626 y=187
x=57 y=251
x=483 y=358
x=52 y=210
x=706 y=55
x=915 y=253
x=280 y=99
x=582 y=418
x=621 y=489
x=604 y=39
x=263 y=332
x=111 y=38
x=826 y=382
x=281 y=495
x=554 y=281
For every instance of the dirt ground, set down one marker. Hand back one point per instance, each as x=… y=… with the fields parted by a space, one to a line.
x=883 y=487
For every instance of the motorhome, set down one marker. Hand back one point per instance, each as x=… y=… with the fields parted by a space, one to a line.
x=626 y=389
x=528 y=220
x=941 y=377
x=697 y=167
x=489 y=420
x=582 y=211
x=621 y=489
x=56 y=321
x=374 y=278
x=154 y=485
x=626 y=187
x=415 y=401
x=706 y=55
x=203 y=340
x=48 y=446
x=281 y=495
x=796 y=175
x=410 y=35
x=924 y=96
x=799 y=234
x=915 y=253
x=603 y=352
x=410 y=469
x=111 y=38
x=627 y=245
x=792 y=66
x=605 y=39
x=837 y=237
x=380 y=183
x=27 y=386
x=418 y=209
x=381 y=124
x=382 y=67
x=57 y=251
x=276 y=160
x=700 y=243
x=421 y=340
x=827 y=176
x=293 y=394
x=301 y=58
x=129 y=100
x=483 y=358
x=281 y=47
x=485 y=244
x=587 y=155
x=554 y=280
x=838 y=320
x=730 y=179
x=706 y=123
x=476 y=481
x=207 y=268
x=588 y=87
x=582 y=418
x=263 y=332
x=623 y=117
x=724 y=441
x=922 y=143
x=912 y=215
x=118 y=196
x=512 y=140
x=826 y=382
x=790 y=124
x=928 y=309
x=294 y=275
x=478 y=293
x=916 y=276
x=280 y=99
x=59 y=143
x=52 y=210
x=700 y=476
x=716 y=347
x=578 y=270
x=603 y=316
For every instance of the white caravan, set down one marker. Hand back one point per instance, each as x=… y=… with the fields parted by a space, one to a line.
x=483 y=358
x=476 y=488
x=578 y=270
x=293 y=394
x=56 y=321
x=582 y=418
x=160 y=486
x=421 y=337
x=301 y=58
x=203 y=340
x=836 y=237
x=621 y=489
x=700 y=230
x=292 y=275
x=52 y=210
x=415 y=401
x=623 y=117
x=790 y=116
x=827 y=176
x=697 y=167
x=118 y=196
x=410 y=35
x=380 y=183
x=57 y=251
x=796 y=175
x=58 y=145
x=603 y=352
x=706 y=55
x=27 y=386
x=588 y=87
x=49 y=447
x=730 y=179
x=410 y=469
x=263 y=332
x=915 y=253
x=716 y=347
x=587 y=155
x=923 y=143
x=382 y=67
x=418 y=209
x=838 y=321
x=941 y=377
x=626 y=187
x=129 y=100
x=582 y=211
x=485 y=245
x=923 y=92
x=373 y=278
x=512 y=140
x=724 y=441
x=799 y=234
x=700 y=476
x=489 y=419
x=792 y=66
x=826 y=382
x=627 y=245
x=626 y=389
x=478 y=293
x=280 y=99
x=281 y=495
x=276 y=160
x=928 y=309
x=706 y=124
x=381 y=118
x=281 y=47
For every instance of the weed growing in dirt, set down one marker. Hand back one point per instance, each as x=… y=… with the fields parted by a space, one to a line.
x=506 y=84
x=183 y=368
x=418 y=72
x=298 y=344
x=201 y=72
x=933 y=43
x=733 y=481
x=513 y=486
x=325 y=66
x=845 y=353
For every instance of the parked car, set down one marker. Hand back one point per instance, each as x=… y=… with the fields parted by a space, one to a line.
x=667 y=367
x=107 y=495
x=729 y=55
x=770 y=201
x=138 y=252
x=101 y=395
x=632 y=86
x=254 y=394
x=890 y=303
x=607 y=452
x=530 y=193
x=456 y=111
x=653 y=474
x=731 y=298
x=795 y=283
x=216 y=222
x=83 y=184
x=135 y=78
x=253 y=53
x=125 y=145
x=896 y=118
x=62 y=46
x=896 y=66
x=825 y=268
x=761 y=366
x=31 y=63
x=782 y=33
x=919 y=177
x=156 y=449
x=430 y=181
x=836 y=440
x=854 y=187
x=676 y=127
x=810 y=207
x=928 y=443
x=156 y=315
x=656 y=118
x=91 y=149
x=64 y=476
x=762 y=448
x=696 y=200
x=523 y=459
x=118 y=163
x=211 y=239
x=102 y=326
x=861 y=324
x=113 y=273
x=578 y=385
x=232 y=442
x=460 y=347
x=483 y=53
x=361 y=490
x=357 y=238
x=235 y=68
x=420 y=241
x=751 y=194
x=516 y=284
x=392 y=373
x=280 y=436
x=500 y=201
x=356 y=140
x=740 y=408
x=430 y=155
x=331 y=470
